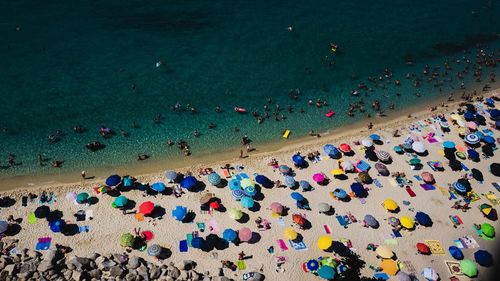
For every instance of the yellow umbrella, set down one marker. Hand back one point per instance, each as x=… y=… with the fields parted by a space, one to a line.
x=324 y=242
x=384 y=252
x=390 y=205
x=406 y=222
x=337 y=172
x=235 y=214
x=290 y=233
x=389 y=266
x=246 y=182
x=456 y=117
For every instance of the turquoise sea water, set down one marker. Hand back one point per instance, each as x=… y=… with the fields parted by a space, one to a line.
x=74 y=62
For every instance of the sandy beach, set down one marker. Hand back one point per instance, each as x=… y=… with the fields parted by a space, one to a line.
x=108 y=223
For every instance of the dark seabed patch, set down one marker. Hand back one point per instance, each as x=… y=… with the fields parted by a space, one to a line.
x=447 y=48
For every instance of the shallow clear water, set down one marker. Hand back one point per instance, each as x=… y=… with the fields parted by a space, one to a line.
x=74 y=62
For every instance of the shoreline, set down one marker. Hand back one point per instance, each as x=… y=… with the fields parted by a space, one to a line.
x=153 y=167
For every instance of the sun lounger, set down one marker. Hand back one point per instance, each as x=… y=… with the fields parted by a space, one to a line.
x=282 y=245
x=496 y=186
x=244 y=175
x=189 y=238
x=362 y=166
x=397 y=234
x=417 y=177
x=464 y=167
x=183 y=246
x=392 y=182
x=201 y=226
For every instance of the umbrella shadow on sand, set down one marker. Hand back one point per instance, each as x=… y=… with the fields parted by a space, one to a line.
x=244 y=219
x=223 y=183
x=190 y=216
x=255 y=238
x=13 y=230
x=158 y=212
x=256 y=207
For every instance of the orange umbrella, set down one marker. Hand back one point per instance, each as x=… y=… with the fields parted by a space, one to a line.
x=146 y=208
x=298 y=219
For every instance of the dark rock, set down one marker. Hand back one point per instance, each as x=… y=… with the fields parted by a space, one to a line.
x=174 y=273
x=143 y=271
x=116 y=271
x=155 y=273
x=188 y=264
x=107 y=265
x=134 y=262
x=95 y=273
x=120 y=259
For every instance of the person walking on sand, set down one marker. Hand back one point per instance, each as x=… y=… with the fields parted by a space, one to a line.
x=241 y=153
x=84 y=175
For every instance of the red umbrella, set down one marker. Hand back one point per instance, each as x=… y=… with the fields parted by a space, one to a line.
x=298 y=219
x=148 y=235
x=245 y=234
x=345 y=147
x=214 y=205
x=276 y=208
x=423 y=249
x=146 y=208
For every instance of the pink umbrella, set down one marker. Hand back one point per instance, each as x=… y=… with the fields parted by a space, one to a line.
x=318 y=177
x=427 y=177
x=245 y=234
x=276 y=208
x=472 y=125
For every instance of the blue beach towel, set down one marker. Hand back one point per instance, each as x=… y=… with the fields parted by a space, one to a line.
x=298 y=246
x=83 y=229
x=341 y=220
x=427 y=187
x=183 y=246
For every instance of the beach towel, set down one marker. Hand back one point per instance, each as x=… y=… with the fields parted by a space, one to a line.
x=496 y=186
x=397 y=234
x=189 y=238
x=83 y=229
x=464 y=167
x=214 y=226
x=362 y=200
x=341 y=220
x=444 y=191
x=362 y=166
x=346 y=242
x=241 y=265
x=453 y=267
x=281 y=221
x=469 y=242
x=417 y=177
x=381 y=276
x=226 y=174
x=89 y=215
x=409 y=266
x=298 y=246
x=458 y=243
x=201 y=226
x=392 y=182
x=427 y=187
x=435 y=246
x=183 y=246
x=244 y=175
x=327 y=229
x=391 y=242
x=43 y=243
x=377 y=183
x=410 y=192
x=32 y=218
x=282 y=245
x=139 y=217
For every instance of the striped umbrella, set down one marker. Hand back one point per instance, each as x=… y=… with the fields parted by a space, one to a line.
x=471 y=139
x=154 y=250
x=250 y=191
x=237 y=193
x=383 y=155
x=289 y=181
x=460 y=188
x=214 y=179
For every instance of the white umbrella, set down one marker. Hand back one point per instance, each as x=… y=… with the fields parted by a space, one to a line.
x=418 y=147
x=367 y=143
x=347 y=165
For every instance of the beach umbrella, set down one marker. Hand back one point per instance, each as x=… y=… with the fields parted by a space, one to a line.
x=468 y=268
x=423 y=219
x=324 y=207
x=298 y=159
x=455 y=165
x=365 y=177
x=326 y=272
x=423 y=249
x=318 y=177
x=384 y=252
x=358 y=190
x=154 y=250
x=284 y=169
x=127 y=240
x=331 y=150
x=390 y=205
x=345 y=148
x=214 y=179
x=407 y=145
x=290 y=234
x=337 y=172
x=468 y=115
x=375 y=137
x=276 y=208
x=460 y=188
x=430 y=274
x=290 y=181
x=418 y=147
x=444 y=125
x=455 y=252
x=264 y=181
x=158 y=187
x=235 y=214
x=146 y=208
x=237 y=194
x=406 y=222
x=483 y=258
x=383 y=155
x=229 y=235
x=347 y=165
x=427 y=177
x=495 y=169
x=57 y=225
x=340 y=193
x=415 y=161
x=297 y=196
x=171 y=175
x=371 y=221
x=197 y=242
x=189 y=182
x=489 y=139
x=312 y=265
x=113 y=180
x=473 y=154
x=389 y=266
x=128 y=181
x=367 y=142
x=488 y=230
x=82 y=197
x=4 y=225
x=304 y=184
x=471 y=139
x=330 y=261
x=488 y=211
x=71 y=196
x=214 y=205
x=247 y=202
x=206 y=197
x=250 y=191
x=398 y=149
x=179 y=213
x=324 y=242
x=245 y=234
x=121 y=201
x=247 y=182
x=471 y=125
x=42 y=211
x=298 y=219
x=393 y=221
x=495 y=114
x=449 y=144
x=234 y=184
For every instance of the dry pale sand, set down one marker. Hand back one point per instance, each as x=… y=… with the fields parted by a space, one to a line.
x=108 y=223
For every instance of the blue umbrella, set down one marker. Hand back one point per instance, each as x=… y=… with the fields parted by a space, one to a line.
x=340 y=193
x=455 y=252
x=214 y=179
x=189 y=182
x=264 y=181
x=489 y=101
x=229 y=235
x=171 y=175
x=473 y=154
x=128 y=181
x=375 y=137
x=312 y=265
x=489 y=139
x=247 y=202
x=250 y=191
x=398 y=149
x=448 y=144
x=179 y=213
x=234 y=184
x=298 y=160
x=290 y=181
x=284 y=169
x=158 y=187
x=483 y=258
x=495 y=114
x=358 y=189
x=423 y=219
x=460 y=188
x=57 y=225
x=468 y=116
x=304 y=184
x=326 y=272
x=297 y=196
x=237 y=193
x=331 y=150
x=113 y=180
x=197 y=242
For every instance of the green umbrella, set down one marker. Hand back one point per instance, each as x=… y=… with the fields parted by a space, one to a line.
x=415 y=161
x=468 y=268
x=82 y=197
x=329 y=262
x=121 y=201
x=487 y=229
x=127 y=240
